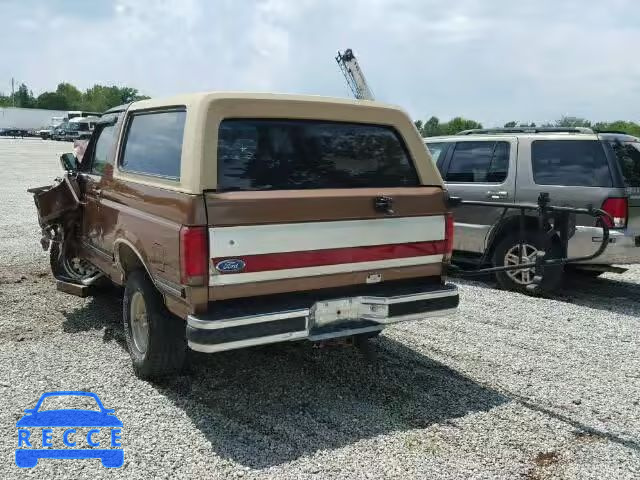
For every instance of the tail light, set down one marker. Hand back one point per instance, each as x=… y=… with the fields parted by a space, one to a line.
x=193 y=255
x=448 y=235
x=618 y=208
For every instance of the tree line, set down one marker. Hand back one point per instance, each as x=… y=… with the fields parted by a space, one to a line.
x=68 y=97
x=434 y=127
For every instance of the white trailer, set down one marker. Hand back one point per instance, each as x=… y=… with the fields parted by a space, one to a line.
x=28 y=118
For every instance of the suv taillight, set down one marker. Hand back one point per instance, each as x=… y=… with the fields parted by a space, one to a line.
x=618 y=208
x=193 y=255
x=448 y=235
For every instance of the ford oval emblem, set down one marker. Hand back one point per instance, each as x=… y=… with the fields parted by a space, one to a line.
x=231 y=265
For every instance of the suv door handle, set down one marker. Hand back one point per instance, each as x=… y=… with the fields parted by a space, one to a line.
x=493 y=195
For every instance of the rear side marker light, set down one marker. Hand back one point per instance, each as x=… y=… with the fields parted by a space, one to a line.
x=193 y=255
x=448 y=235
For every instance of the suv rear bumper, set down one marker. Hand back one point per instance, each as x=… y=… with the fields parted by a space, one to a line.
x=623 y=247
x=332 y=317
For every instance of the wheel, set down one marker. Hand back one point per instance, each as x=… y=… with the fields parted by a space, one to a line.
x=155 y=338
x=507 y=253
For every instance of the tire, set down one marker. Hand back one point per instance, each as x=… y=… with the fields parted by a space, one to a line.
x=552 y=276
x=163 y=352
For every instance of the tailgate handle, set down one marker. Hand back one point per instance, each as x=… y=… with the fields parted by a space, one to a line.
x=383 y=205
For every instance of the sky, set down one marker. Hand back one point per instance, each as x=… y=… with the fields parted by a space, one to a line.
x=490 y=60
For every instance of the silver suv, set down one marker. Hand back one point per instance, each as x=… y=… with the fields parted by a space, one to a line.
x=576 y=166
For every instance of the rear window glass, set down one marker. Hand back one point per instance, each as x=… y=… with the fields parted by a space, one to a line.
x=479 y=162
x=628 y=156
x=310 y=154
x=580 y=163
x=154 y=144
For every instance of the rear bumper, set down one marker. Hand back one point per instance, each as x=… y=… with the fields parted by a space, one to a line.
x=623 y=247
x=324 y=318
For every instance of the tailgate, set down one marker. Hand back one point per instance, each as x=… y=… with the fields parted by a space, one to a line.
x=305 y=204
x=277 y=241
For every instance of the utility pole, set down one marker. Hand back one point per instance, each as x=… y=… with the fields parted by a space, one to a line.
x=13 y=93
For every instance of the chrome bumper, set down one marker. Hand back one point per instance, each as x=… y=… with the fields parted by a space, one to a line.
x=325 y=318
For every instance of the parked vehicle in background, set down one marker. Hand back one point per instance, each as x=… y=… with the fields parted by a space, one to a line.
x=235 y=220
x=75 y=129
x=14 y=132
x=576 y=166
x=46 y=133
x=71 y=114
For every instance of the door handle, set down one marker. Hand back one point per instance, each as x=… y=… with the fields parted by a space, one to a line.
x=493 y=195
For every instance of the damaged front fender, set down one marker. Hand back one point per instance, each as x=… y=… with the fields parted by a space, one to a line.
x=58 y=207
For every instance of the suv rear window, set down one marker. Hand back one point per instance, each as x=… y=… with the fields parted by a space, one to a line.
x=310 y=154
x=628 y=156
x=580 y=163
x=479 y=162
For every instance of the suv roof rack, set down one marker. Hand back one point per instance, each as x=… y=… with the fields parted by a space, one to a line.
x=489 y=131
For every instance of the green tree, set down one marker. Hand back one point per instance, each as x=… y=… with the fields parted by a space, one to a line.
x=71 y=94
x=630 y=128
x=24 y=97
x=458 y=124
x=100 y=97
x=431 y=127
x=52 y=101
x=510 y=124
x=572 y=122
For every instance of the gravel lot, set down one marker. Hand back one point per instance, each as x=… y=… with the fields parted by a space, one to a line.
x=514 y=387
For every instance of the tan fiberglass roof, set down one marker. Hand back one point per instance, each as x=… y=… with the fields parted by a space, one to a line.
x=206 y=110
x=207 y=97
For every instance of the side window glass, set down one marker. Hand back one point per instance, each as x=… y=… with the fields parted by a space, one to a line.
x=436 y=150
x=479 y=162
x=102 y=149
x=580 y=163
x=153 y=144
x=499 y=163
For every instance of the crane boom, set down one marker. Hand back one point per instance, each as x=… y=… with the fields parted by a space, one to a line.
x=353 y=74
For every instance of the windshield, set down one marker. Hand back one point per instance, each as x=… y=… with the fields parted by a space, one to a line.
x=303 y=154
x=628 y=156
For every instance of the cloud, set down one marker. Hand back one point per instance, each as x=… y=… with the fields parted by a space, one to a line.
x=492 y=61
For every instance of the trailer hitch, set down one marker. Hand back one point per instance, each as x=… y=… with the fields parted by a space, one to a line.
x=552 y=221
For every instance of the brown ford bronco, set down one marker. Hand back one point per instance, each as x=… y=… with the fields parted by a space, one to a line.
x=235 y=220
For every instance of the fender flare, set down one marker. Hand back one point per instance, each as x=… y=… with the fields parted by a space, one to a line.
x=116 y=255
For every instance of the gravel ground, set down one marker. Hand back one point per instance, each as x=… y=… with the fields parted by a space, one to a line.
x=513 y=387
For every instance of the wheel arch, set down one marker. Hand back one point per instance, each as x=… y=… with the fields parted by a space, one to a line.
x=128 y=258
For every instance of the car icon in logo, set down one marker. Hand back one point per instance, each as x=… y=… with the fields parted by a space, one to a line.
x=231 y=265
x=95 y=422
